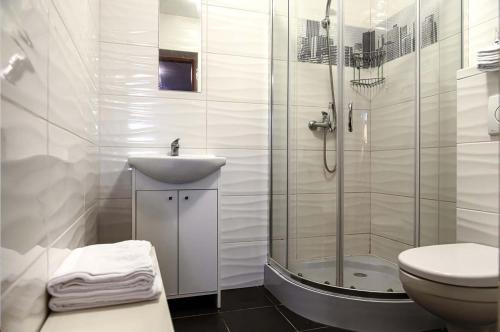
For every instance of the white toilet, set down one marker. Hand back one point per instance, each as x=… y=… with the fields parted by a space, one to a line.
x=457 y=282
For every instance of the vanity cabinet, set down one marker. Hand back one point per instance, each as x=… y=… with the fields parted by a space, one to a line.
x=181 y=221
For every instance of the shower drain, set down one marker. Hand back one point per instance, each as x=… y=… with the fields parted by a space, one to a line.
x=360 y=275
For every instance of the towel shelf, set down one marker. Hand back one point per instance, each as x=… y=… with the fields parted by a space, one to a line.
x=151 y=316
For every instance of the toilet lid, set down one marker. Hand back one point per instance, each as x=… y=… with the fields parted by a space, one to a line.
x=460 y=264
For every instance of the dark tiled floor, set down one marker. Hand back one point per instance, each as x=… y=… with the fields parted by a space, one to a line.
x=243 y=310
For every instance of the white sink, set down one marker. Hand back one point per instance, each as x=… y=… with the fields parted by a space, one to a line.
x=179 y=169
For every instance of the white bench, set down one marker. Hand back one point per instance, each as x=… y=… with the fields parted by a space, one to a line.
x=151 y=316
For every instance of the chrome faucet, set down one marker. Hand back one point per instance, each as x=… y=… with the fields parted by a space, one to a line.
x=174 y=147
x=325 y=123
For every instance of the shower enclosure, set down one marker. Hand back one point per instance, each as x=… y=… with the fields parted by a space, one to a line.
x=363 y=146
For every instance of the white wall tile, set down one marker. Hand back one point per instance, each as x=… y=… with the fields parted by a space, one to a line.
x=24 y=305
x=356 y=213
x=450 y=60
x=481 y=36
x=128 y=69
x=242 y=264
x=448 y=174
x=480 y=11
x=357 y=171
x=245 y=172
x=429 y=222
x=70 y=85
x=130 y=22
x=64 y=199
x=311 y=175
x=393 y=127
x=115 y=220
x=393 y=172
x=447 y=222
x=478 y=176
x=237 y=32
x=236 y=78
x=393 y=217
x=448 y=119
x=429 y=173
x=472 y=107
x=24 y=181
x=450 y=15
x=244 y=218
x=429 y=72
x=399 y=85
x=478 y=227
x=429 y=121
x=148 y=122
x=386 y=248
x=237 y=125
x=28 y=88
x=256 y=5
x=316 y=215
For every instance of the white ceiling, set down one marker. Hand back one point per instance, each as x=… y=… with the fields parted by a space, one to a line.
x=188 y=8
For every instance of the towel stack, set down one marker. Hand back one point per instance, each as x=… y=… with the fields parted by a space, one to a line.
x=489 y=58
x=103 y=275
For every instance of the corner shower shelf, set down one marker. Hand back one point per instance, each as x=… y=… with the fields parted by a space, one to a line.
x=368 y=60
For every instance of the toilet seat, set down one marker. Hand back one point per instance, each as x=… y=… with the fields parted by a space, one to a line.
x=460 y=264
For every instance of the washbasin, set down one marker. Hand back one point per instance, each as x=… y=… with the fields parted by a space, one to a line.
x=178 y=169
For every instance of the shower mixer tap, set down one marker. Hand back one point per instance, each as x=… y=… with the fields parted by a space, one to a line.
x=325 y=123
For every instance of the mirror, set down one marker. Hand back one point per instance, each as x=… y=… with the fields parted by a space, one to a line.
x=179 y=66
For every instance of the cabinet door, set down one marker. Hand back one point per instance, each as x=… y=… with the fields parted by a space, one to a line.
x=157 y=222
x=197 y=241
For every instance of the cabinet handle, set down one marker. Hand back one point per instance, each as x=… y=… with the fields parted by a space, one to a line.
x=170 y=198
x=186 y=197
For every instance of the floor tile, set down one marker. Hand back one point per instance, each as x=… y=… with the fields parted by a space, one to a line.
x=244 y=298
x=267 y=319
x=299 y=322
x=271 y=297
x=193 y=306
x=204 y=323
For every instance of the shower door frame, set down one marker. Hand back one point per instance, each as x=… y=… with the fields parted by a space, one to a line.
x=340 y=156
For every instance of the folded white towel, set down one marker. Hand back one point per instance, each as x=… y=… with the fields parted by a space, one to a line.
x=104 y=269
x=104 y=298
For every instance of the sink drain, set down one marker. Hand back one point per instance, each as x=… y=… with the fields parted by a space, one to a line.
x=360 y=275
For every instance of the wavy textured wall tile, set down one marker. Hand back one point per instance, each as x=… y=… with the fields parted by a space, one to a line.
x=244 y=218
x=472 y=103
x=149 y=122
x=447 y=222
x=128 y=69
x=248 y=35
x=49 y=170
x=245 y=173
x=237 y=125
x=242 y=264
x=356 y=213
x=448 y=119
x=24 y=305
x=393 y=217
x=478 y=176
x=311 y=175
x=70 y=86
x=393 y=127
x=477 y=226
x=256 y=5
x=27 y=87
x=400 y=84
x=450 y=60
x=64 y=198
x=429 y=121
x=448 y=174
x=393 y=172
x=115 y=220
x=386 y=248
x=316 y=215
x=236 y=78
x=429 y=173
x=429 y=222
x=118 y=26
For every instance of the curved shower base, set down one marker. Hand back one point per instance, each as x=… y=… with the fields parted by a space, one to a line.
x=348 y=309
